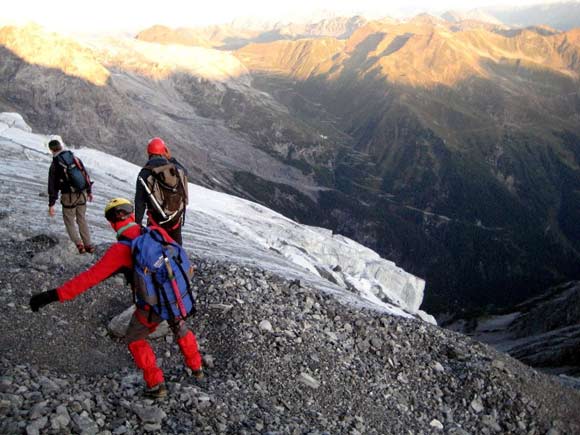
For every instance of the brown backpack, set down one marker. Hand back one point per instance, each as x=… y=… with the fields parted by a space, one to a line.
x=167 y=190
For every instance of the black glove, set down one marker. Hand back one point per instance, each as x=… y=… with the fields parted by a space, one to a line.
x=41 y=299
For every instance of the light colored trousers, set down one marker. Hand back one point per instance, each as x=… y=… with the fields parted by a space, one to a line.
x=74 y=209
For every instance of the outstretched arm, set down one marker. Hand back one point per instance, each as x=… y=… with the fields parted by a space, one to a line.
x=116 y=258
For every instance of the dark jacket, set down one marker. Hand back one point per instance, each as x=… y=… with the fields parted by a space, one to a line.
x=57 y=180
x=141 y=198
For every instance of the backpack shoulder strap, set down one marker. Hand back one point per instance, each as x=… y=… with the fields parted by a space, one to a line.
x=79 y=163
x=125 y=241
x=121 y=230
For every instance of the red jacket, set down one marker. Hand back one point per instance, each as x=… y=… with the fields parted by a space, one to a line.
x=116 y=259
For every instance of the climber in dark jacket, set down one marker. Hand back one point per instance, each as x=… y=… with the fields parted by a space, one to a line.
x=118 y=259
x=74 y=203
x=165 y=207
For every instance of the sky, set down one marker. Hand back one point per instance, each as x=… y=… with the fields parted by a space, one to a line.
x=133 y=15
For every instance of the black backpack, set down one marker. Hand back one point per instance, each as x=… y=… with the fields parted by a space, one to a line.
x=74 y=172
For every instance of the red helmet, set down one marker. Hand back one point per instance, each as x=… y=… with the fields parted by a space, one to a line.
x=156 y=146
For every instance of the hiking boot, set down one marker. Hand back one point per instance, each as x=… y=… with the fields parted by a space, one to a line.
x=198 y=374
x=90 y=249
x=81 y=248
x=157 y=392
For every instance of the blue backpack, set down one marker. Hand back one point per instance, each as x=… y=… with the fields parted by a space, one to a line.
x=161 y=273
x=74 y=172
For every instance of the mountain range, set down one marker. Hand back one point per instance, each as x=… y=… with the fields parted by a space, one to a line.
x=232 y=36
x=559 y=15
x=466 y=137
x=451 y=148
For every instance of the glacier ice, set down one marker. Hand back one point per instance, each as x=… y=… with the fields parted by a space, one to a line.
x=218 y=226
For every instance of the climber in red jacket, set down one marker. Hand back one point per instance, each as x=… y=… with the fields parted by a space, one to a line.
x=118 y=259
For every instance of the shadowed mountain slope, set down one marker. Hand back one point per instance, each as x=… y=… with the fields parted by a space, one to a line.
x=463 y=141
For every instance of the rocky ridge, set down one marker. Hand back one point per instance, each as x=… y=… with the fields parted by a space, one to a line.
x=230 y=36
x=280 y=358
x=543 y=331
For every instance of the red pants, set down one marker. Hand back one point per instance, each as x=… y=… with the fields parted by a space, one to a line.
x=141 y=326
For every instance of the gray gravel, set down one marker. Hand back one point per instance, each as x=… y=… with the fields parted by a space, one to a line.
x=280 y=359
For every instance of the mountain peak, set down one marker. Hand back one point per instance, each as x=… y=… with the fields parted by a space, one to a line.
x=471 y=15
x=426 y=19
x=165 y=35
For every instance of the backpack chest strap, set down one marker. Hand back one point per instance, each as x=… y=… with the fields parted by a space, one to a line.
x=121 y=230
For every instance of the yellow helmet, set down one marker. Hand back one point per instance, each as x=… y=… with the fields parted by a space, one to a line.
x=118 y=209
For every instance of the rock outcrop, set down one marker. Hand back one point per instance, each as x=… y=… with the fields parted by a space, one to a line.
x=542 y=332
